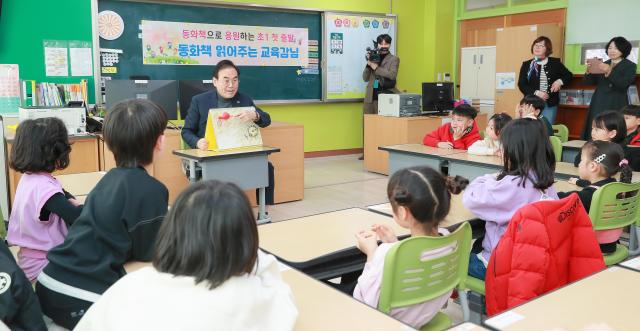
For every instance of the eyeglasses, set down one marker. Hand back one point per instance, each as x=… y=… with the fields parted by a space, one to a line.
x=226 y=82
x=539 y=46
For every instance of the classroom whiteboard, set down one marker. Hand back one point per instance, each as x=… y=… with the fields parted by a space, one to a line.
x=346 y=37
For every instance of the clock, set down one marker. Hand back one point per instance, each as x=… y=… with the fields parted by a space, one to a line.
x=110 y=25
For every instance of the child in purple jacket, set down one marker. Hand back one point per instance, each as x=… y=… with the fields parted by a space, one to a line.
x=527 y=176
x=42 y=210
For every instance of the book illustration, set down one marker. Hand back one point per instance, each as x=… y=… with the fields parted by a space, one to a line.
x=226 y=130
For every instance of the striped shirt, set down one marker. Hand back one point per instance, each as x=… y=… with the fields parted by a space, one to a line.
x=544 y=83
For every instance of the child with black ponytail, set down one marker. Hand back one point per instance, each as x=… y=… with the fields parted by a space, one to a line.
x=599 y=162
x=420 y=198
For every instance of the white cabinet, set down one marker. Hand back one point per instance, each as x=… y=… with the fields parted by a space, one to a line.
x=478 y=72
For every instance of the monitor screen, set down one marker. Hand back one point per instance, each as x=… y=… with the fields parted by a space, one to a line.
x=190 y=88
x=162 y=92
x=437 y=97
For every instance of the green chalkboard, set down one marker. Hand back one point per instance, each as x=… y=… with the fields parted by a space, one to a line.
x=260 y=82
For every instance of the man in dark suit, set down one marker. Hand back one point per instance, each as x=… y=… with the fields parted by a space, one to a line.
x=226 y=95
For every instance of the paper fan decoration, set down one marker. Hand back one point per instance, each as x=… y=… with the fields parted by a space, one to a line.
x=110 y=25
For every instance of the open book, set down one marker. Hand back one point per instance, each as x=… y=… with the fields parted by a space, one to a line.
x=226 y=131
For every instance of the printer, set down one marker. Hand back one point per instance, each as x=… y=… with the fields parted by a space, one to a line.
x=399 y=105
x=74 y=118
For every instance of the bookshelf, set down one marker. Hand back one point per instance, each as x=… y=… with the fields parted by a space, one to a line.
x=44 y=94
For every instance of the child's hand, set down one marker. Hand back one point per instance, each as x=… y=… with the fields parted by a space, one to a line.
x=366 y=242
x=445 y=144
x=385 y=233
x=528 y=111
x=457 y=133
x=498 y=152
x=75 y=202
x=573 y=180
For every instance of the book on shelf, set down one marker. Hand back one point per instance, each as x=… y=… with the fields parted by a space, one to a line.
x=52 y=94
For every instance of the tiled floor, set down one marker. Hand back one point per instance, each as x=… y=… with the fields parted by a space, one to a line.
x=333 y=183
x=339 y=182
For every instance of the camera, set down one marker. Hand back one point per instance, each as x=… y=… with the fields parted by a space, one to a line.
x=373 y=54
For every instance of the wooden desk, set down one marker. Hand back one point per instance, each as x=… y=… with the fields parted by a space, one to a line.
x=386 y=131
x=410 y=155
x=321 y=307
x=570 y=149
x=80 y=184
x=288 y=164
x=472 y=166
x=245 y=167
x=566 y=170
x=322 y=245
x=83 y=158
x=605 y=297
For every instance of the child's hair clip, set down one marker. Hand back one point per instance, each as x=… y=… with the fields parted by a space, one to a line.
x=623 y=162
x=460 y=102
x=601 y=158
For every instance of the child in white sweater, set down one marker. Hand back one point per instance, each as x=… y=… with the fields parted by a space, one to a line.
x=490 y=145
x=207 y=273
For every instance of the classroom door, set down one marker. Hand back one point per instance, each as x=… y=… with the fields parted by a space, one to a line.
x=469 y=72
x=486 y=73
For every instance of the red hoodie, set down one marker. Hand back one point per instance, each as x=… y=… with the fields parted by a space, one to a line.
x=635 y=141
x=445 y=133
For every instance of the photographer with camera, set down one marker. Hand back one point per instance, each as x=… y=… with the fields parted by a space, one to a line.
x=380 y=73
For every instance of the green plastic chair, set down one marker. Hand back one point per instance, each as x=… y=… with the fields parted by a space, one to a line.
x=561 y=131
x=634 y=239
x=614 y=206
x=556 y=144
x=409 y=280
x=475 y=285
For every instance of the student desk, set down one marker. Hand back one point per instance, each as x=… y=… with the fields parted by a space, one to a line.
x=472 y=166
x=570 y=149
x=80 y=184
x=246 y=167
x=321 y=307
x=606 y=297
x=410 y=155
x=324 y=245
x=387 y=130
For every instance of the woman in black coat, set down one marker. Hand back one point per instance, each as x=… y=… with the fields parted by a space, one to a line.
x=612 y=85
x=543 y=76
